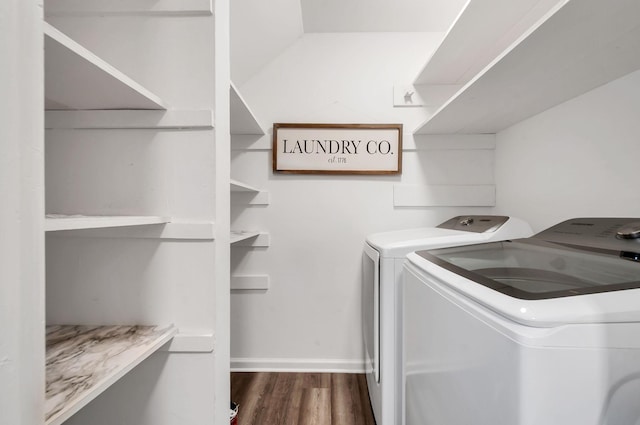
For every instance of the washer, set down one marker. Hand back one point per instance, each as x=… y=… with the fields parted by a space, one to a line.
x=542 y=330
x=384 y=254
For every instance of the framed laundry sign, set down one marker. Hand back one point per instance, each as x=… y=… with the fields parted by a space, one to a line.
x=337 y=148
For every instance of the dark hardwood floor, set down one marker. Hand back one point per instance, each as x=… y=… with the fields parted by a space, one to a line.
x=278 y=398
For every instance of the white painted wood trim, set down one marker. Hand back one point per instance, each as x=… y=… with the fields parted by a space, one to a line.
x=55 y=222
x=242 y=364
x=75 y=78
x=123 y=363
x=249 y=238
x=191 y=343
x=444 y=195
x=196 y=230
x=251 y=142
x=238 y=186
x=250 y=282
x=129 y=119
x=128 y=7
x=422 y=142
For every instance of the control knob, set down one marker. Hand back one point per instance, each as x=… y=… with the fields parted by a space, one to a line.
x=629 y=231
x=469 y=221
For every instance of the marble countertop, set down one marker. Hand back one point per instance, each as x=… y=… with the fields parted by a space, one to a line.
x=83 y=361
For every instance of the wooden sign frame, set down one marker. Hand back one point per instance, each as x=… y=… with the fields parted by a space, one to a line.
x=337 y=148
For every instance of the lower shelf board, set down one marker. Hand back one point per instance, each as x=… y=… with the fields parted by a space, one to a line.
x=83 y=361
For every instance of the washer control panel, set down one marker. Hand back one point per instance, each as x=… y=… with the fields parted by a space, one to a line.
x=475 y=223
x=620 y=234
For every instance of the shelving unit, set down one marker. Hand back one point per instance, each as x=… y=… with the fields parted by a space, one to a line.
x=243 y=122
x=101 y=268
x=580 y=46
x=83 y=361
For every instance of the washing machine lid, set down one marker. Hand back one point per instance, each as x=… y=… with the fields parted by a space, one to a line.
x=532 y=269
x=540 y=283
x=457 y=231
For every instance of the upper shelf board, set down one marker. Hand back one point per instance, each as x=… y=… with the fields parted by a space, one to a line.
x=75 y=78
x=128 y=7
x=129 y=119
x=56 y=222
x=242 y=119
x=584 y=44
x=482 y=31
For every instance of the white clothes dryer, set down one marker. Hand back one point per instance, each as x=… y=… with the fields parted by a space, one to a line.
x=542 y=330
x=383 y=257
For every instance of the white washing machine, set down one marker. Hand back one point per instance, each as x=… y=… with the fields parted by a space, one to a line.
x=542 y=330
x=384 y=254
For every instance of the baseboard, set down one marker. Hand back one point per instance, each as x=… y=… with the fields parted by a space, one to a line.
x=240 y=364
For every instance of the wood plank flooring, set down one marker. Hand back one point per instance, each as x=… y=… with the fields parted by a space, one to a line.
x=279 y=398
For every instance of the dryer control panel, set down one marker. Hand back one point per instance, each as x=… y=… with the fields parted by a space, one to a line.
x=475 y=223
x=618 y=234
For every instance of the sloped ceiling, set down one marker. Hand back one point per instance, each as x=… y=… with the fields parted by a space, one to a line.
x=260 y=30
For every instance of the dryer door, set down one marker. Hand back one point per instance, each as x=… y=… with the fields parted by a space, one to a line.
x=371 y=309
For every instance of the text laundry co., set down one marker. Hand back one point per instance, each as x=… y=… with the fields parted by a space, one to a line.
x=330 y=146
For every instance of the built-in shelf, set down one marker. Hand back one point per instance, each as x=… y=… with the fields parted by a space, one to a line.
x=238 y=186
x=243 y=121
x=482 y=31
x=128 y=8
x=83 y=361
x=56 y=222
x=243 y=235
x=582 y=45
x=249 y=282
x=75 y=78
x=129 y=119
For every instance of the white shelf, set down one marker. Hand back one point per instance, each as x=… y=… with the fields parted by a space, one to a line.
x=128 y=7
x=129 y=119
x=482 y=31
x=54 y=222
x=250 y=282
x=584 y=44
x=238 y=186
x=83 y=361
x=75 y=78
x=243 y=121
x=242 y=235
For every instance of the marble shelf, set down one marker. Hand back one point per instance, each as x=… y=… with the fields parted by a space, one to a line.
x=83 y=361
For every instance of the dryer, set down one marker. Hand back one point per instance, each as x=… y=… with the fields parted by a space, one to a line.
x=383 y=257
x=542 y=330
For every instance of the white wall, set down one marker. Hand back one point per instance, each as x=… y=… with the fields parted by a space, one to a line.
x=309 y=318
x=577 y=159
x=261 y=30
